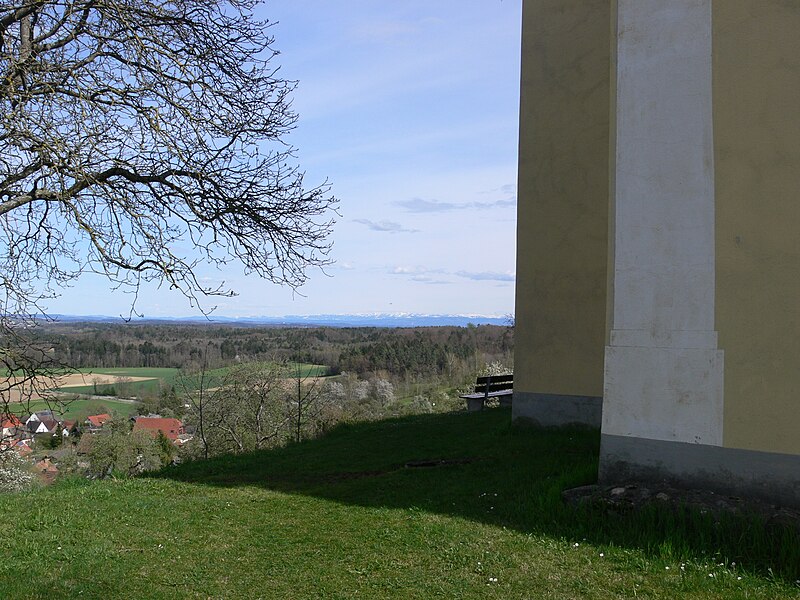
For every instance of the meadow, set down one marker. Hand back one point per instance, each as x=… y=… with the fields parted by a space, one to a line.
x=80 y=408
x=355 y=514
x=96 y=390
x=143 y=380
x=140 y=381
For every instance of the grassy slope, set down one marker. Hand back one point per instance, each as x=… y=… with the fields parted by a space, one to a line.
x=341 y=517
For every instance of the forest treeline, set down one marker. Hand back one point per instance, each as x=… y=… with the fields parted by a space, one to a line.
x=240 y=389
x=423 y=352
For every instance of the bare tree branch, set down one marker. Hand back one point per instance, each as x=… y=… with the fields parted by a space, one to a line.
x=129 y=128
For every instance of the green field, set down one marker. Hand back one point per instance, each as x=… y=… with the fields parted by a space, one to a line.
x=78 y=407
x=167 y=376
x=134 y=388
x=344 y=517
x=81 y=408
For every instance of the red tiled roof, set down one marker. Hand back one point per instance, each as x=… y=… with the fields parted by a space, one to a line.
x=9 y=421
x=98 y=420
x=171 y=428
x=23 y=448
x=45 y=466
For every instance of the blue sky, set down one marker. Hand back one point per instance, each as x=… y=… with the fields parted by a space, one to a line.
x=410 y=110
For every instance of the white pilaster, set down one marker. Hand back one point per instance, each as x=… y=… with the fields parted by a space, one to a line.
x=664 y=373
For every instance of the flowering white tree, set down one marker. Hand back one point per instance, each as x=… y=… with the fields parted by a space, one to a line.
x=15 y=475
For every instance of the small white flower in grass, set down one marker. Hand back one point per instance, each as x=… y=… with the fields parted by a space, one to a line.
x=575 y=545
x=738 y=579
x=667 y=568
x=711 y=575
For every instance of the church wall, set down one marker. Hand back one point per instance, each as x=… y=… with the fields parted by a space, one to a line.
x=757 y=163
x=563 y=211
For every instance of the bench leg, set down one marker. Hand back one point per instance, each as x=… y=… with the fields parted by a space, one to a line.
x=474 y=404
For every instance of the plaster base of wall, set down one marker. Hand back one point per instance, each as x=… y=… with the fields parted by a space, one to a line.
x=662 y=393
x=556 y=410
x=766 y=476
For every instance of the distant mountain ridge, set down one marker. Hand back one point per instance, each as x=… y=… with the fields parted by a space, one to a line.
x=350 y=320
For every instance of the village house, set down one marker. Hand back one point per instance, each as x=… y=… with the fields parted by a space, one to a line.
x=70 y=427
x=95 y=422
x=22 y=447
x=172 y=428
x=46 y=469
x=42 y=422
x=9 y=426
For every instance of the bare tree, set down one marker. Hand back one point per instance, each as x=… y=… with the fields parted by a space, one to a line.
x=140 y=139
x=250 y=409
x=306 y=405
x=196 y=388
x=245 y=410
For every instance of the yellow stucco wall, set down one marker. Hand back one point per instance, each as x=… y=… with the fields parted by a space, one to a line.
x=757 y=161
x=563 y=197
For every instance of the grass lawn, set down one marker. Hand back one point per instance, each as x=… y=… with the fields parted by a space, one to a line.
x=343 y=517
x=83 y=407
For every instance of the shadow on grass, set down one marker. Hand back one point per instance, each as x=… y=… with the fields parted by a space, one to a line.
x=478 y=466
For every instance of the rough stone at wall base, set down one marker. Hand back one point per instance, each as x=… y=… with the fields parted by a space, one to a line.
x=767 y=476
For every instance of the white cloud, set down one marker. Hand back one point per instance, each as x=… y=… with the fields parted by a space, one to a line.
x=385 y=226
x=487 y=276
x=420 y=205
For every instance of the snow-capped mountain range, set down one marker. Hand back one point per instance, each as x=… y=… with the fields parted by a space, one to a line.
x=354 y=320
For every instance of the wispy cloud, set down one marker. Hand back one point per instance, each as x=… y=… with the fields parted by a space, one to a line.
x=509 y=188
x=508 y=203
x=422 y=275
x=426 y=275
x=385 y=226
x=407 y=271
x=420 y=205
x=487 y=276
x=428 y=280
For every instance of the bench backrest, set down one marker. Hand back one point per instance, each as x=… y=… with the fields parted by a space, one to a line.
x=494 y=383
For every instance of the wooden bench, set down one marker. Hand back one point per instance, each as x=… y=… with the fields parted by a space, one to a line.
x=500 y=387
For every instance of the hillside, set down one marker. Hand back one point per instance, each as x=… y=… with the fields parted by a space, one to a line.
x=358 y=514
